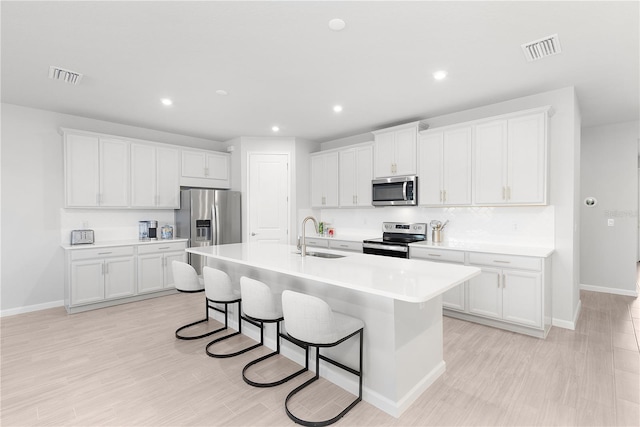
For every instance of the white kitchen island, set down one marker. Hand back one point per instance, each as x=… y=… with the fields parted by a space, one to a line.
x=399 y=301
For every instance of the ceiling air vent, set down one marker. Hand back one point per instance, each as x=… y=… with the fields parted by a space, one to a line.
x=57 y=73
x=544 y=47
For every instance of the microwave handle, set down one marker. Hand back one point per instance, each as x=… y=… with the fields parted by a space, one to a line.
x=404 y=190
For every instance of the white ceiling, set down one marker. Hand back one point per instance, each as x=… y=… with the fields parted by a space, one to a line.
x=280 y=63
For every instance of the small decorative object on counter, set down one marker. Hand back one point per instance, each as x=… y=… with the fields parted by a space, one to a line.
x=321 y=228
x=436 y=230
x=166 y=232
x=332 y=232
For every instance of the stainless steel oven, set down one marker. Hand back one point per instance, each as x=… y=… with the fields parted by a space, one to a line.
x=395 y=239
x=395 y=191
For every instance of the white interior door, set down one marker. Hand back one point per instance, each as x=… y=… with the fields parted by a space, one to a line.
x=268 y=198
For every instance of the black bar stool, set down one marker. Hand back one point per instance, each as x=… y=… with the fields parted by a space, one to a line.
x=262 y=306
x=310 y=321
x=186 y=280
x=219 y=290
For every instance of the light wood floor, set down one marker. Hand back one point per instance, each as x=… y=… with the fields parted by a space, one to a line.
x=122 y=366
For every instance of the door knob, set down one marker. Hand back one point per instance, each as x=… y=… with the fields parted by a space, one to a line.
x=253 y=234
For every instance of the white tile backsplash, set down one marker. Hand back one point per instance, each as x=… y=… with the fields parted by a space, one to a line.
x=111 y=224
x=522 y=225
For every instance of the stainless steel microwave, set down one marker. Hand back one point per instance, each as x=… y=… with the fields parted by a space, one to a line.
x=395 y=191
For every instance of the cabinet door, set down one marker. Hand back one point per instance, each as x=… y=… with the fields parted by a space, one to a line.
x=490 y=163
x=522 y=297
x=150 y=273
x=430 y=186
x=119 y=277
x=217 y=166
x=364 y=175
x=527 y=159
x=454 y=298
x=331 y=180
x=87 y=281
x=405 y=151
x=317 y=181
x=193 y=164
x=81 y=167
x=143 y=176
x=167 y=178
x=168 y=270
x=347 y=178
x=114 y=173
x=485 y=293
x=456 y=167
x=384 y=154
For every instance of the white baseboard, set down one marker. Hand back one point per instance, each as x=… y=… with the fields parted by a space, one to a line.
x=565 y=324
x=30 y=308
x=606 y=290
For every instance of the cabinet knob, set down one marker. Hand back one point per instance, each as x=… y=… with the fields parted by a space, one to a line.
x=254 y=234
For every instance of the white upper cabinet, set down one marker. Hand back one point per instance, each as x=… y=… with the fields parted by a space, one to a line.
x=444 y=167
x=324 y=180
x=395 y=150
x=355 y=174
x=155 y=176
x=510 y=160
x=201 y=168
x=96 y=171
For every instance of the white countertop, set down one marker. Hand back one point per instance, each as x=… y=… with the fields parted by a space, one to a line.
x=541 y=252
x=114 y=243
x=401 y=279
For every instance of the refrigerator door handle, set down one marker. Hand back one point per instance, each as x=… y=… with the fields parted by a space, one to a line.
x=215 y=233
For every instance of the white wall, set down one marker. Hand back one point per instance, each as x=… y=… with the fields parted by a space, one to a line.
x=610 y=174
x=32 y=194
x=564 y=167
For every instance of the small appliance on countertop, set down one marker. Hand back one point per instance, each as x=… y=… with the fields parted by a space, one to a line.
x=82 y=237
x=148 y=230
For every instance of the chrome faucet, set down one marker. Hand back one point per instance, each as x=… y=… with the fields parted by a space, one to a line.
x=303 y=243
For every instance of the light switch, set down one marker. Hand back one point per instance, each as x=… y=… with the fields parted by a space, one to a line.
x=610 y=222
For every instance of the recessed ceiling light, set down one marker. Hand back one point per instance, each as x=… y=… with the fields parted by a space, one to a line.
x=222 y=92
x=337 y=108
x=439 y=75
x=337 y=24
x=275 y=128
x=166 y=101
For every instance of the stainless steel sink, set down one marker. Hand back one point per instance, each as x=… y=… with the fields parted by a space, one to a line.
x=324 y=255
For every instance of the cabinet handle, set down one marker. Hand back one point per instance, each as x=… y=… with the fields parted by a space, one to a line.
x=206 y=171
x=504 y=282
x=434 y=254
x=502 y=262
x=498 y=280
x=444 y=195
x=508 y=193
x=104 y=253
x=440 y=195
x=344 y=246
x=166 y=247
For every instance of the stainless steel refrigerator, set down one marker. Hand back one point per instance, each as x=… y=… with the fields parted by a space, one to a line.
x=208 y=217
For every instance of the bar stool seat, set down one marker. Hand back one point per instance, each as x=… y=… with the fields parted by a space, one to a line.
x=310 y=321
x=219 y=290
x=186 y=280
x=262 y=306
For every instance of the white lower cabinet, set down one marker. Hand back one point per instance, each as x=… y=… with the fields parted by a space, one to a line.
x=100 y=277
x=154 y=265
x=101 y=274
x=512 y=292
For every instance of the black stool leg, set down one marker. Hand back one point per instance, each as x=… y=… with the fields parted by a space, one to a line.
x=207 y=306
x=238 y=332
x=309 y=382
x=267 y=356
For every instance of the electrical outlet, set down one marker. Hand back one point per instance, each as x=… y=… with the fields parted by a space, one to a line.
x=611 y=222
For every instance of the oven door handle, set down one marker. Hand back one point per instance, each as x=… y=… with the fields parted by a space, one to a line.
x=395 y=248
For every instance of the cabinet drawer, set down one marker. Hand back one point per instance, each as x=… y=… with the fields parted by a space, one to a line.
x=162 y=247
x=436 y=255
x=319 y=243
x=345 y=245
x=506 y=261
x=101 y=252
